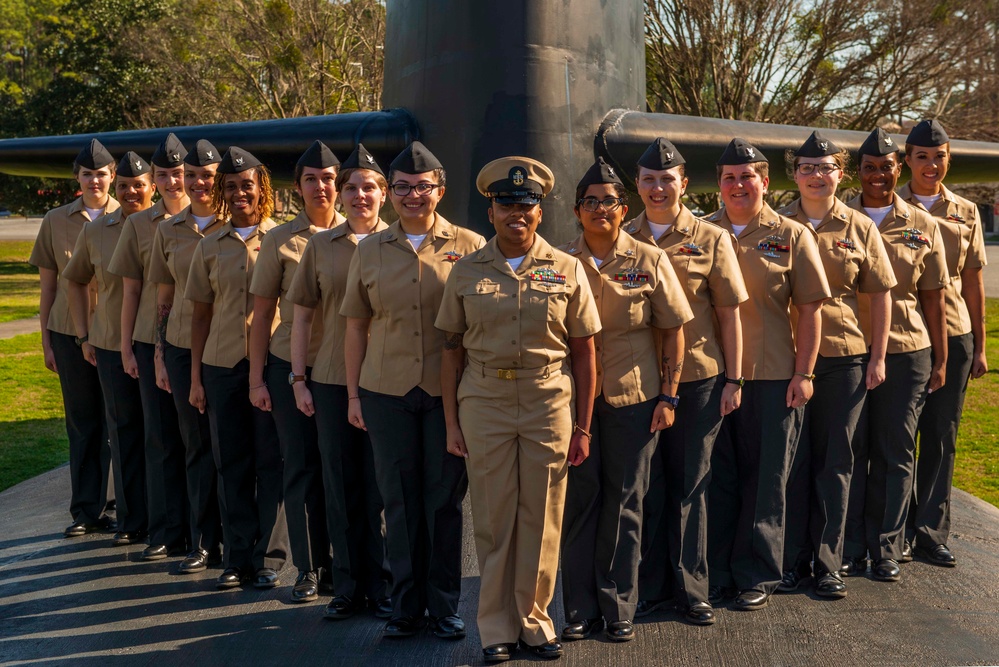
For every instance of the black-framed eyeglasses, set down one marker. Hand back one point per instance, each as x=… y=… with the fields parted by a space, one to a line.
x=422 y=189
x=809 y=168
x=591 y=204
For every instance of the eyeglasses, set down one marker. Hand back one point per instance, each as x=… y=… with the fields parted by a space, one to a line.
x=422 y=189
x=808 y=168
x=591 y=204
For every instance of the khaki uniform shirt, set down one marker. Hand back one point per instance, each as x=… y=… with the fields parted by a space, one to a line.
x=636 y=291
x=400 y=290
x=170 y=263
x=704 y=259
x=964 y=248
x=321 y=280
x=91 y=257
x=854 y=260
x=131 y=260
x=54 y=246
x=781 y=266
x=221 y=270
x=915 y=251
x=518 y=319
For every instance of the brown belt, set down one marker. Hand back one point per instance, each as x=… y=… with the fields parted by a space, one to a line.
x=514 y=373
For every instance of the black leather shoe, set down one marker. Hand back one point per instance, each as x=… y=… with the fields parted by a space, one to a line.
x=938 y=555
x=853 y=566
x=231 y=577
x=448 y=627
x=906 y=552
x=196 y=561
x=498 y=652
x=339 y=608
x=719 y=594
x=581 y=629
x=325 y=581
x=646 y=607
x=383 y=608
x=548 y=651
x=109 y=525
x=306 y=588
x=700 y=613
x=792 y=579
x=406 y=626
x=830 y=585
x=81 y=528
x=886 y=569
x=751 y=600
x=154 y=552
x=620 y=631
x=123 y=538
x=265 y=578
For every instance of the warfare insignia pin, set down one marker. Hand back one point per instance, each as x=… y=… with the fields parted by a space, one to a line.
x=955 y=217
x=547 y=276
x=451 y=256
x=846 y=244
x=914 y=238
x=691 y=249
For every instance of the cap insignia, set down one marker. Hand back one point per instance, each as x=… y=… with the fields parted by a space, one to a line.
x=751 y=153
x=210 y=155
x=517 y=177
x=237 y=161
x=888 y=141
x=370 y=159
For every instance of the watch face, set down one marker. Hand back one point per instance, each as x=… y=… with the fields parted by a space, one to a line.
x=291 y=378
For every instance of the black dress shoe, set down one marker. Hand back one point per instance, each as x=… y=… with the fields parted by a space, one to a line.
x=792 y=579
x=448 y=627
x=906 y=552
x=646 y=607
x=109 y=525
x=325 y=581
x=154 y=552
x=231 y=577
x=306 y=588
x=407 y=626
x=938 y=555
x=581 y=629
x=265 y=578
x=830 y=585
x=339 y=608
x=751 y=600
x=498 y=652
x=719 y=594
x=196 y=561
x=382 y=607
x=853 y=566
x=124 y=538
x=700 y=613
x=886 y=569
x=548 y=651
x=620 y=631
x=81 y=528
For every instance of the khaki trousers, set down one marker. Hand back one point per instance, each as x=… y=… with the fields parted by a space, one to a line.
x=517 y=434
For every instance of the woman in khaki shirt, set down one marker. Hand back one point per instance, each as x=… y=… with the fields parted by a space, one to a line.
x=927 y=152
x=886 y=439
x=170 y=262
x=393 y=363
x=642 y=307
x=244 y=440
x=98 y=330
x=855 y=263
x=353 y=504
x=89 y=455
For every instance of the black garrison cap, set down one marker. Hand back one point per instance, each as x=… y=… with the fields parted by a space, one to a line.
x=740 y=151
x=236 y=160
x=170 y=153
x=877 y=143
x=599 y=173
x=94 y=156
x=660 y=155
x=360 y=158
x=415 y=159
x=133 y=165
x=927 y=133
x=817 y=145
x=318 y=156
x=203 y=154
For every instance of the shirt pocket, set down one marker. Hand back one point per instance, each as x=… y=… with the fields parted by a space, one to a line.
x=842 y=267
x=547 y=301
x=482 y=301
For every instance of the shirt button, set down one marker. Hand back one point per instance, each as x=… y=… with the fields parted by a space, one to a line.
x=515 y=317
x=414 y=280
x=242 y=268
x=415 y=307
x=416 y=333
x=240 y=290
x=513 y=342
x=417 y=360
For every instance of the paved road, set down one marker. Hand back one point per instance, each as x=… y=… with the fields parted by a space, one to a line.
x=82 y=602
x=19 y=229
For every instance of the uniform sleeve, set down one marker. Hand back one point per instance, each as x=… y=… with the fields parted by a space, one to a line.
x=808 y=278
x=267 y=272
x=725 y=283
x=80 y=268
x=199 y=283
x=876 y=274
x=355 y=299
x=451 y=315
x=976 y=259
x=669 y=302
x=125 y=260
x=159 y=264
x=43 y=254
x=934 y=275
x=581 y=316
x=304 y=290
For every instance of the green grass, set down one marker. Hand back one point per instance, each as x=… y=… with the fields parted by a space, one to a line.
x=19 y=286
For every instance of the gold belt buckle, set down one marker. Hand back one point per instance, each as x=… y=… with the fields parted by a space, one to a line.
x=506 y=374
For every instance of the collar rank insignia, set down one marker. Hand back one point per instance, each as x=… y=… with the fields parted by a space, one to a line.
x=451 y=256
x=773 y=245
x=771 y=224
x=631 y=278
x=690 y=249
x=955 y=217
x=914 y=238
x=846 y=244
x=548 y=276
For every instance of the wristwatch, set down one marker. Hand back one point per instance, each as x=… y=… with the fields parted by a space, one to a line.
x=739 y=381
x=292 y=378
x=80 y=341
x=671 y=401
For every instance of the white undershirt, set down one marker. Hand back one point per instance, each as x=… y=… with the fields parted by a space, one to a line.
x=878 y=214
x=515 y=262
x=738 y=229
x=94 y=212
x=361 y=236
x=814 y=222
x=415 y=240
x=246 y=232
x=657 y=229
x=202 y=221
x=597 y=261
x=928 y=202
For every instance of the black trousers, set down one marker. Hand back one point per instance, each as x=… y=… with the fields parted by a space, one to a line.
x=819 y=484
x=304 y=503
x=749 y=469
x=89 y=452
x=929 y=515
x=123 y=409
x=199 y=465
x=602 y=522
x=166 y=483
x=422 y=487
x=883 y=455
x=354 y=510
x=248 y=459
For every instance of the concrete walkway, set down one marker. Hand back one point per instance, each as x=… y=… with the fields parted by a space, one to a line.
x=19 y=327
x=82 y=602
